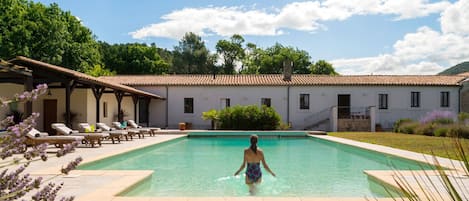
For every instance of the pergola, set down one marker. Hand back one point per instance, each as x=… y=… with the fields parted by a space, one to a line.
x=29 y=72
x=9 y=71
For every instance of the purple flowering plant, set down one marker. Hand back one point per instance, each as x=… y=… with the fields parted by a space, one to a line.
x=14 y=182
x=438 y=116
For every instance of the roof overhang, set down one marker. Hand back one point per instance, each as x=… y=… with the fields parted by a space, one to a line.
x=53 y=73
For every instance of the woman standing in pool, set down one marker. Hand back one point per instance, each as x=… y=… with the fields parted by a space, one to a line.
x=253 y=156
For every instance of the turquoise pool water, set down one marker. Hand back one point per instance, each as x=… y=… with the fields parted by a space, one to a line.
x=304 y=166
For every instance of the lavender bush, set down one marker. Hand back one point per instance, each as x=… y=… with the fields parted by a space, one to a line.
x=14 y=182
x=438 y=116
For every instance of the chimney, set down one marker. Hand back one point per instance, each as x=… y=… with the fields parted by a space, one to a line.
x=287 y=70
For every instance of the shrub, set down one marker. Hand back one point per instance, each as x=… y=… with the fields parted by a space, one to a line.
x=458 y=131
x=249 y=117
x=438 y=116
x=408 y=128
x=284 y=126
x=462 y=117
x=425 y=129
x=398 y=123
x=441 y=131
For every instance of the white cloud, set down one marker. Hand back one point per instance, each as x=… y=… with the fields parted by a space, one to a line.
x=426 y=51
x=301 y=16
x=455 y=19
x=403 y=9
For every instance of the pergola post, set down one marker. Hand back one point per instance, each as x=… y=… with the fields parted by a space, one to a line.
x=119 y=95
x=28 y=105
x=147 y=102
x=135 y=100
x=97 y=92
x=69 y=87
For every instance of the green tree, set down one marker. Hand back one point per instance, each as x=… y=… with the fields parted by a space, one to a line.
x=191 y=56
x=252 y=59
x=98 y=70
x=322 y=67
x=231 y=51
x=133 y=58
x=270 y=60
x=46 y=33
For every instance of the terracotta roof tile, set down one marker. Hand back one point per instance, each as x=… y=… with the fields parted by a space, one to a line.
x=81 y=76
x=277 y=80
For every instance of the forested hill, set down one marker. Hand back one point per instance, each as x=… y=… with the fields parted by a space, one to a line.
x=457 y=69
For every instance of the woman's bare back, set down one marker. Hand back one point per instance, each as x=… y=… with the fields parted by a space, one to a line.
x=252 y=157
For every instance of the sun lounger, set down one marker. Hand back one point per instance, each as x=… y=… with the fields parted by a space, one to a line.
x=107 y=129
x=86 y=128
x=147 y=130
x=90 y=138
x=119 y=126
x=35 y=137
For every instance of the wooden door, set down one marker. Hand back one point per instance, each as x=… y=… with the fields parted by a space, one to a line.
x=50 y=115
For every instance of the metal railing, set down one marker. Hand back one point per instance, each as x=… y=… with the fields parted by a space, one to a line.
x=345 y=112
x=318 y=117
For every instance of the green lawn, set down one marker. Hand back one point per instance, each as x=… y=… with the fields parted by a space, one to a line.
x=440 y=146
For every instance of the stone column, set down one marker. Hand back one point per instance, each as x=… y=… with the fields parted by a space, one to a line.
x=373 y=118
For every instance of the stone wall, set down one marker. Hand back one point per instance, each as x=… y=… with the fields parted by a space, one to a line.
x=353 y=125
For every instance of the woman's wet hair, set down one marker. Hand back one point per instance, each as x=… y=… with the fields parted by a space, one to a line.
x=253 y=146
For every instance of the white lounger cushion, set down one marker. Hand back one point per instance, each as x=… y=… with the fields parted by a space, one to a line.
x=132 y=124
x=35 y=133
x=117 y=125
x=62 y=129
x=104 y=127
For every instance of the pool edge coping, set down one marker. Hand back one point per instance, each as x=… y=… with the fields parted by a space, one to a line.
x=112 y=190
x=411 y=155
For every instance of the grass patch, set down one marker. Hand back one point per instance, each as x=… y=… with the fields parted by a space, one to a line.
x=440 y=146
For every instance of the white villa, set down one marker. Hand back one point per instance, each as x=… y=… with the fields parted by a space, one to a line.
x=332 y=103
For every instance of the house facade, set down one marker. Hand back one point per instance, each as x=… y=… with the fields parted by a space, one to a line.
x=312 y=102
x=305 y=101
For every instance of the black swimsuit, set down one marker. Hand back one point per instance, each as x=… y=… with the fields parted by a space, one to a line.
x=253 y=172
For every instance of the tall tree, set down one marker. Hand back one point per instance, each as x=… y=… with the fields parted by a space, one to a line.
x=133 y=58
x=271 y=60
x=231 y=52
x=252 y=59
x=46 y=33
x=191 y=56
x=322 y=67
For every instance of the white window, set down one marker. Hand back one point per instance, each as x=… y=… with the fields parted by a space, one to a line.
x=415 y=99
x=304 y=101
x=224 y=103
x=188 y=105
x=383 y=101
x=266 y=102
x=444 y=99
x=105 y=109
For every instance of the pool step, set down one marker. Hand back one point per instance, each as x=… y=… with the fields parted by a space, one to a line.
x=317 y=132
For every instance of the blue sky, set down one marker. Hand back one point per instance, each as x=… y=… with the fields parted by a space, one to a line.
x=357 y=36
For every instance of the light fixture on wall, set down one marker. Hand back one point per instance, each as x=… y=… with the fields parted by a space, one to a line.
x=49 y=93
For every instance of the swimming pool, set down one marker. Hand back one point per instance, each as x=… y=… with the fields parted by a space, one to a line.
x=204 y=166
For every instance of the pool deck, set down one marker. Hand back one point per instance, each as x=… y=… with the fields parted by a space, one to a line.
x=105 y=185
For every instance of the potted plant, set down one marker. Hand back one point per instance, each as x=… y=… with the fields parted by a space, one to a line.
x=211 y=115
